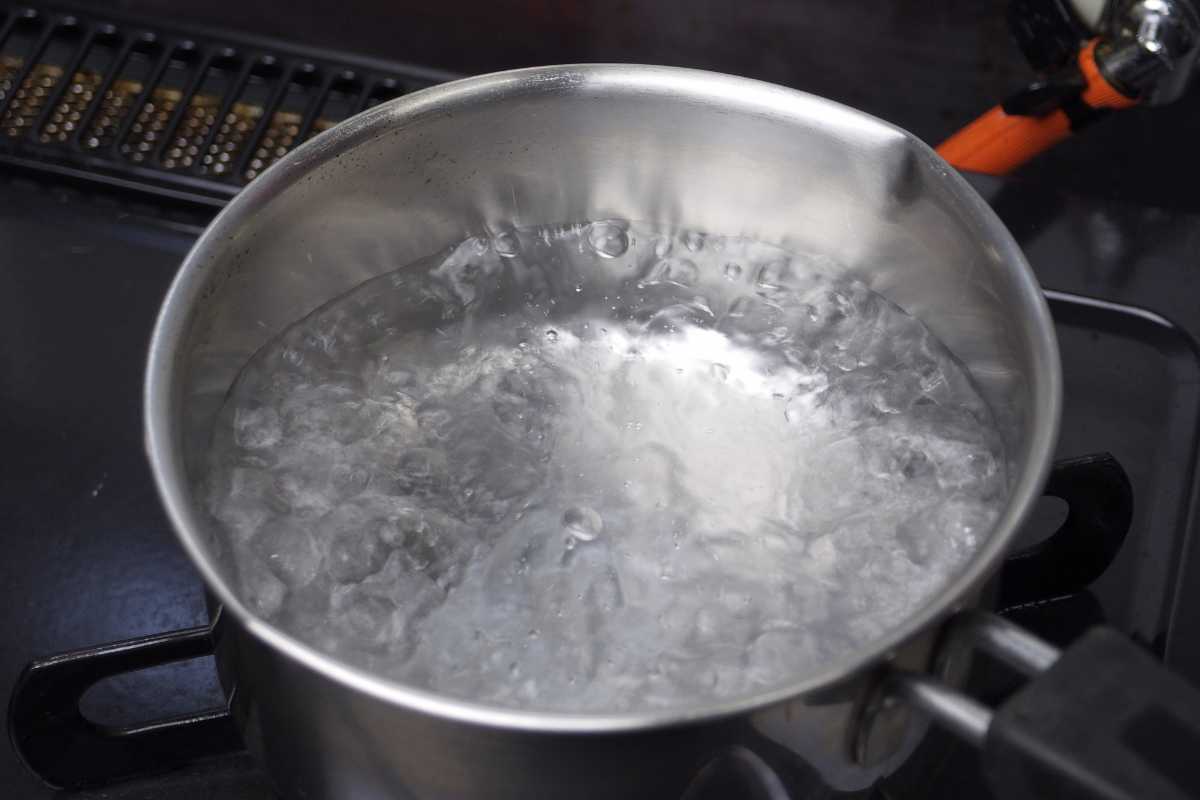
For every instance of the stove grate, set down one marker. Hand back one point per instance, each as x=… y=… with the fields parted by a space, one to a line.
x=188 y=114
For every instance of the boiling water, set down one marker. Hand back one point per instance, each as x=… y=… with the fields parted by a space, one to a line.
x=600 y=468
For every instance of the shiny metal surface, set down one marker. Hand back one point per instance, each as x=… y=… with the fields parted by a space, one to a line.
x=956 y=712
x=959 y=714
x=1152 y=47
x=560 y=144
x=881 y=724
x=1009 y=643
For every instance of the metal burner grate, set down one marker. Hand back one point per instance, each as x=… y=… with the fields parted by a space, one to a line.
x=187 y=114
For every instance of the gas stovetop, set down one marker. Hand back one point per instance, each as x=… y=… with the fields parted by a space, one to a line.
x=90 y=556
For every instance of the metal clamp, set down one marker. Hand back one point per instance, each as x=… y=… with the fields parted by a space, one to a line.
x=958 y=713
x=1101 y=720
x=886 y=710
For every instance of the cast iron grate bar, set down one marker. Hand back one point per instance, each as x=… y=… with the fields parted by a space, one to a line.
x=64 y=109
x=118 y=93
x=21 y=81
x=185 y=114
x=74 y=43
x=233 y=117
x=142 y=107
x=275 y=121
x=17 y=34
x=188 y=114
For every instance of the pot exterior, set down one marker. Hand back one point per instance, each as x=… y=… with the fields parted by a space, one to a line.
x=663 y=146
x=320 y=739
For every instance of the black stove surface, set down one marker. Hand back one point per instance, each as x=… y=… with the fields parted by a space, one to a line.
x=89 y=555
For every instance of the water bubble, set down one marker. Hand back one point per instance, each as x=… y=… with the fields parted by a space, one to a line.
x=552 y=335
x=732 y=270
x=774 y=274
x=720 y=372
x=608 y=238
x=680 y=316
x=582 y=523
x=693 y=241
x=578 y=288
x=679 y=271
x=701 y=305
x=506 y=244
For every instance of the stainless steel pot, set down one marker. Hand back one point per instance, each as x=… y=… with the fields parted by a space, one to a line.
x=557 y=144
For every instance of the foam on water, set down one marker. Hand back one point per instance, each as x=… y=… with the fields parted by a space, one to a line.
x=600 y=468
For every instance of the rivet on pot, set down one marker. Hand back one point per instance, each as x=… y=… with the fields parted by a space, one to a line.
x=878 y=727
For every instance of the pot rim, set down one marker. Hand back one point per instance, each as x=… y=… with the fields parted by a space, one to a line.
x=162 y=440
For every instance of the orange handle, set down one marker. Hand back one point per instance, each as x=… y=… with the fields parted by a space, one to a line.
x=997 y=143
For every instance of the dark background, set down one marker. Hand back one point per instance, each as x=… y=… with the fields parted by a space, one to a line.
x=927 y=65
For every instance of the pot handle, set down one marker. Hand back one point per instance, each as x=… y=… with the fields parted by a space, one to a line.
x=1099 y=500
x=68 y=751
x=1101 y=720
